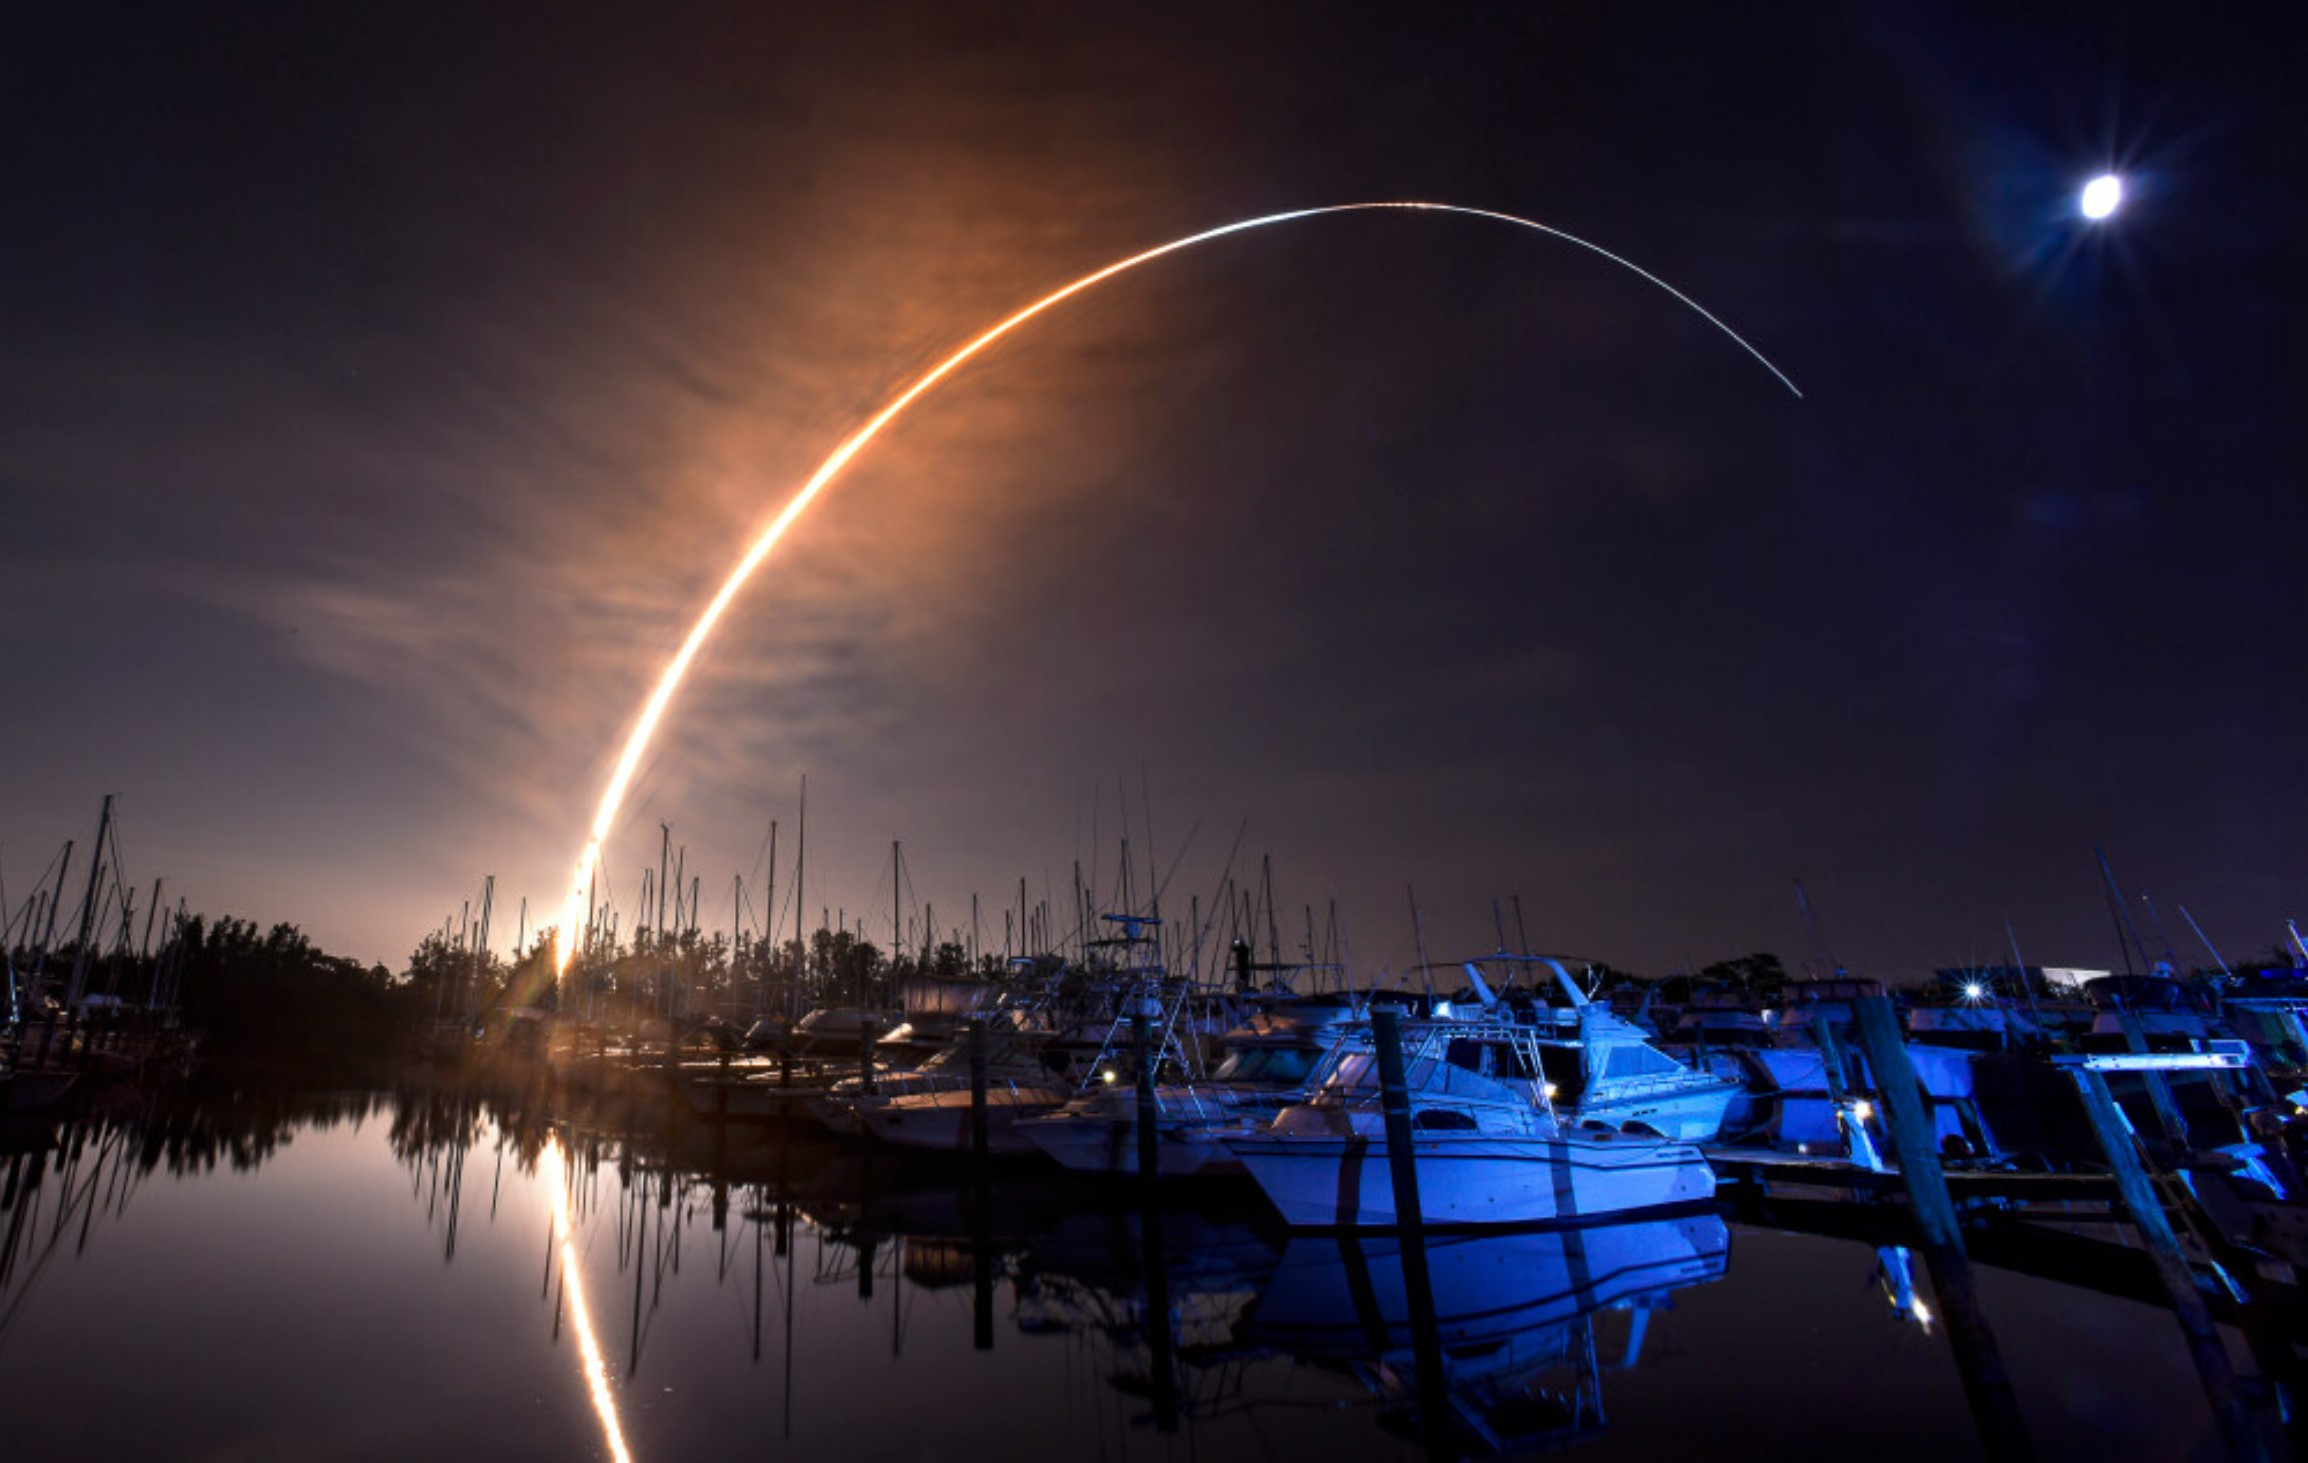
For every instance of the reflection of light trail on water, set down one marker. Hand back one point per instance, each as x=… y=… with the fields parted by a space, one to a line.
x=554 y=1172
x=575 y=910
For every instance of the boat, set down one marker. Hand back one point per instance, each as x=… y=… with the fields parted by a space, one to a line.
x=1488 y=1144
x=1267 y=1064
x=1604 y=1070
x=1081 y=1033
x=1012 y=1058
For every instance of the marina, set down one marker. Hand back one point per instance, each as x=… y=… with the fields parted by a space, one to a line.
x=1458 y=1231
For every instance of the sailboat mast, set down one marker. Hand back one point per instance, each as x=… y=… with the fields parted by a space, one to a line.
x=74 y=990
x=769 y=895
x=8 y=948
x=800 y=910
x=1418 y=933
x=1273 y=931
x=48 y=930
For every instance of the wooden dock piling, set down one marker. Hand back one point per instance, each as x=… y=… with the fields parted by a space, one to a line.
x=1142 y=1045
x=1410 y=1231
x=978 y=1138
x=2205 y=1348
x=1394 y=1105
x=1907 y=1123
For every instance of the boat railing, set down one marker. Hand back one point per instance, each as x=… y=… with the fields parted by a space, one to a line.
x=1192 y=1105
x=1657 y=1084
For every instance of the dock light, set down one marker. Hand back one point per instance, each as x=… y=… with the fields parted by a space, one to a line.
x=1548 y=1092
x=1107 y=1076
x=1974 y=991
x=2101 y=197
x=1862 y=1110
x=1922 y=1311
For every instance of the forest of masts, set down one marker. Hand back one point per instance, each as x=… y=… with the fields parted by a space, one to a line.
x=101 y=954
x=688 y=953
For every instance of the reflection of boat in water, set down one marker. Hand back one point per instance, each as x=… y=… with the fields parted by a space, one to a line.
x=1513 y=1341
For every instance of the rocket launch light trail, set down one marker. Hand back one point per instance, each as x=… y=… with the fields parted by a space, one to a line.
x=653 y=710
x=553 y=1172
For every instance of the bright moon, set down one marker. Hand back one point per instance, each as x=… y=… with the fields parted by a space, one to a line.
x=2102 y=195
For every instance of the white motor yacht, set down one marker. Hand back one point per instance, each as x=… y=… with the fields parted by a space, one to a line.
x=1488 y=1143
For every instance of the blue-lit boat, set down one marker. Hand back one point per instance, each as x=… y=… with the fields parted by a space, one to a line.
x=1488 y=1143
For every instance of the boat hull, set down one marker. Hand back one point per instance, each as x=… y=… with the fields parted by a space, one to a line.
x=1105 y=1145
x=941 y=1121
x=1344 y=1181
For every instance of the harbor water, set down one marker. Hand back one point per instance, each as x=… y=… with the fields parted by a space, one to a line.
x=434 y=1274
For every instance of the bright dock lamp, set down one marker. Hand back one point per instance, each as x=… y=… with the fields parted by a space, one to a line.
x=2101 y=197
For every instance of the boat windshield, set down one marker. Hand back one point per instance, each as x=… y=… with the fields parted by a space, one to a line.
x=1277 y=1066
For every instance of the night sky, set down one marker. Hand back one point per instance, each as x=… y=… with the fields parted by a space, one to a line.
x=384 y=388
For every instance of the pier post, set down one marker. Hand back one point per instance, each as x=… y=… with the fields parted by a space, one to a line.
x=1394 y=1105
x=2159 y=1092
x=981 y=1266
x=721 y=1149
x=1162 y=1342
x=1142 y=1045
x=868 y=1033
x=981 y=1201
x=1907 y=1123
x=2205 y=1348
x=978 y=1143
x=1410 y=1231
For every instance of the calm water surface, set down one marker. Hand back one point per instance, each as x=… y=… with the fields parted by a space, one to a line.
x=434 y=1276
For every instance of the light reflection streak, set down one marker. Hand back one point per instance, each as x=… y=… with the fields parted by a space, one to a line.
x=575 y=908
x=554 y=1172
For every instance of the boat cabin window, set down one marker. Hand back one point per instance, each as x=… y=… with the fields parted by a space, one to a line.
x=1356 y=1069
x=1443 y=1120
x=1487 y=1058
x=1564 y=1071
x=1639 y=1061
x=1279 y=1066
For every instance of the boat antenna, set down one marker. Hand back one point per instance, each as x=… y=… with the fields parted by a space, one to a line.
x=1818 y=956
x=2123 y=917
x=1418 y=938
x=2026 y=983
x=2207 y=944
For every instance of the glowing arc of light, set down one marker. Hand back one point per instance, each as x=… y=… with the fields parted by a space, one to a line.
x=555 y=1176
x=669 y=681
